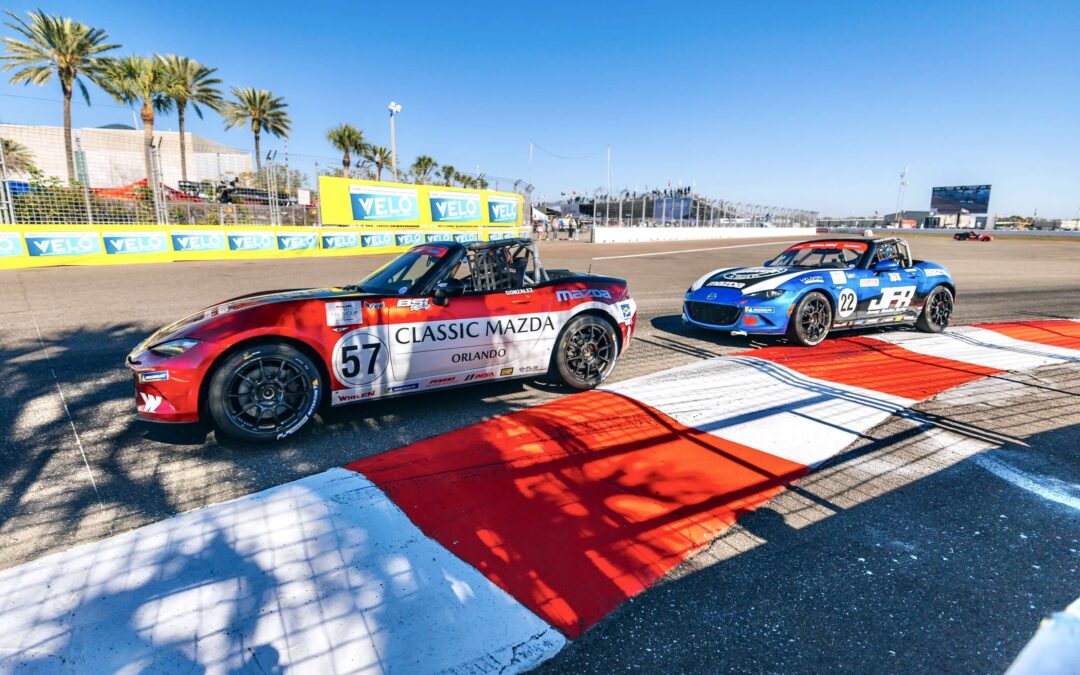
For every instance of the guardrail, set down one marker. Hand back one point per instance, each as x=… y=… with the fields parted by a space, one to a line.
x=23 y=246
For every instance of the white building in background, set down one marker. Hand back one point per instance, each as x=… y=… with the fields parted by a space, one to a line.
x=112 y=156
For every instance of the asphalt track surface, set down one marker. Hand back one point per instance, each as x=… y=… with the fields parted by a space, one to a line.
x=911 y=564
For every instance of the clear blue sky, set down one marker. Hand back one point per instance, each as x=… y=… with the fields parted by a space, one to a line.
x=815 y=105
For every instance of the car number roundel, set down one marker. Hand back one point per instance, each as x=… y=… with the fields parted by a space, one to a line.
x=360 y=357
x=845 y=305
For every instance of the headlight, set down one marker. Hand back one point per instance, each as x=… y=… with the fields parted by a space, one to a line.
x=174 y=347
x=765 y=295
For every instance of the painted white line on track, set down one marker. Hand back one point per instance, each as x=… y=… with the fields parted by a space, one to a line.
x=321 y=575
x=696 y=250
x=1051 y=489
x=63 y=401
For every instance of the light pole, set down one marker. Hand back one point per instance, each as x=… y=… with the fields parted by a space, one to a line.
x=394 y=109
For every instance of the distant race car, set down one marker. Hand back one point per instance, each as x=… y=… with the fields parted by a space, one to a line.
x=973 y=235
x=438 y=316
x=818 y=286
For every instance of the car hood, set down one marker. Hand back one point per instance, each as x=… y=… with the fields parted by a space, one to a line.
x=753 y=279
x=189 y=325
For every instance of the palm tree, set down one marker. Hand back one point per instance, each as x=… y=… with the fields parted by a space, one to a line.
x=192 y=83
x=17 y=157
x=262 y=111
x=55 y=44
x=378 y=155
x=142 y=81
x=347 y=139
x=448 y=174
x=422 y=167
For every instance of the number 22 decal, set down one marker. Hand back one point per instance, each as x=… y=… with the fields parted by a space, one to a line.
x=360 y=358
x=845 y=305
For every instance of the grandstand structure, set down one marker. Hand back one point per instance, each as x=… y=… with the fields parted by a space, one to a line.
x=680 y=207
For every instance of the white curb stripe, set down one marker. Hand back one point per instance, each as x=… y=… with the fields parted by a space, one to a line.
x=323 y=575
x=982 y=347
x=765 y=406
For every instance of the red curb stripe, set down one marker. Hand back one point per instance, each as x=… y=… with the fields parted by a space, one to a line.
x=1053 y=333
x=576 y=505
x=876 y=365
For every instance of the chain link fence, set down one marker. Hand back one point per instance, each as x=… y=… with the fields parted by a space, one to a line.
x=122 y=176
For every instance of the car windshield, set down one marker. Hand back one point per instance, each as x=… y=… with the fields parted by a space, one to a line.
x=400 y=275
x=821 y=254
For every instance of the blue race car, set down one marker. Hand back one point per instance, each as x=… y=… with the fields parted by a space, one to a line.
x=822 y=285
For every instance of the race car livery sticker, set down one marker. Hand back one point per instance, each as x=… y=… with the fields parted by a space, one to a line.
x=156 y=376
x=581 y=294
x=415 y=304
x=838 y=278
x=505 y=372
x=892 y=300
x=360 y=357
x=869 y=283
x=150 y=403
x=816 y=279
x=726 y=284
x=935 y=272
x=845 y=305
x=753 y=273
x=894 y=276
x=344 y=313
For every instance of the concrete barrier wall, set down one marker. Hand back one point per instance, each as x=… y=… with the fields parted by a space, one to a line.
x=624 y=235
x=897 y=232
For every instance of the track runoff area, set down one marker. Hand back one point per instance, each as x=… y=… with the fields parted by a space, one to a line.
x=887 y=500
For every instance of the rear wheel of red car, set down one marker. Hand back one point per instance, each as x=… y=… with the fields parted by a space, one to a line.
x=811 y=320
x=585 y=352
x=264 y=393
x=937 y=311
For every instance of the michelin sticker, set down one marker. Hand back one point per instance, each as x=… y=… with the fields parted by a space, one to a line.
x=345 y=313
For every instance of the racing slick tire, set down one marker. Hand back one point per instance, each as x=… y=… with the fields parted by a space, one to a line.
x=585 y=352
x=937 y=310
x=264 y=393
x=811 y=320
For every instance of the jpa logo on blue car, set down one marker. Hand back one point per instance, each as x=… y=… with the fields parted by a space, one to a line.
x=454 y=207
x=383 y=203
x=198 y=241
x=255 y=241
x=502 y=209
x=350 y=240
x=296 y=242
x=10 y=244
x=377 y=240
x=63 y=243
x=121 y=243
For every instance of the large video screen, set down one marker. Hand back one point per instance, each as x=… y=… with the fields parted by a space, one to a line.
x=960 y=199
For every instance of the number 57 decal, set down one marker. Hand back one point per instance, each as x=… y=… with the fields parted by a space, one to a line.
x=360 y=358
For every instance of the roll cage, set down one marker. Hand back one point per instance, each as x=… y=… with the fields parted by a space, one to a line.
x=483 y=267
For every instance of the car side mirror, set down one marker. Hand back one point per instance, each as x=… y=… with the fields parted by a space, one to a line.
x=886 y=266
x=451 y=288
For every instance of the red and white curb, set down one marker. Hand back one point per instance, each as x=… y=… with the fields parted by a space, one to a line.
x=483 y=549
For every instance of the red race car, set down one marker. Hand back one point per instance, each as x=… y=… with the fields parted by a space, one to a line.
x=973 y=235
x=438 y=316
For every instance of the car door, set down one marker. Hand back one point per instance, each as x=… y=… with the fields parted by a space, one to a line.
x=475 y=336
x=884 y=295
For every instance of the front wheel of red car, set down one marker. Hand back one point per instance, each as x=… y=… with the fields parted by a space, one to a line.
x=585 y=352
x=264 y=393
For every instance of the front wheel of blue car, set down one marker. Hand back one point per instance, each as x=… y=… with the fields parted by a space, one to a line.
x=811 y=320
x=937 y=311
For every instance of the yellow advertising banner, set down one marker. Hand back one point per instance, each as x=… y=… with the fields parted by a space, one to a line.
x=368 y=203
x=24 y=246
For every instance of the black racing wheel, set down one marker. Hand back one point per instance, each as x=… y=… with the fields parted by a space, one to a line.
x=811 y=320
x=264 y=393
x=585 y=352
x=937 y=311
